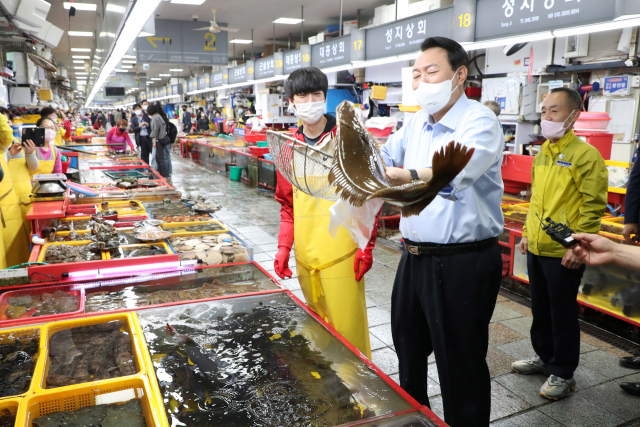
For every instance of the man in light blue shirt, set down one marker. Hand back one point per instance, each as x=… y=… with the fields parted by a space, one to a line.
x=448 y=279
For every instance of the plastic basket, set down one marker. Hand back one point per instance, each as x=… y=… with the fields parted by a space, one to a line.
x=42 y=369
x=259 y=151
x=66 y=233
x=125 y=204
x=255 y=137
x=4 y=303
x=75 y=243
x=248 y=248
x=170 y=225
x=235 y=172
x=10 y=335
x=70 y=400
x=162 y=244
x=12 y=406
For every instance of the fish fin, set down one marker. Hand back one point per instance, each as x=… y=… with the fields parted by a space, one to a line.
x=170 y=329
x=415 y=208
x=184 y=339
x=447 y=164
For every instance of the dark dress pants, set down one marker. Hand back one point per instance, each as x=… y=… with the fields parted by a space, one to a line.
x=555 y=332
x=146 y=147
x=444 y=304
x=161 y=157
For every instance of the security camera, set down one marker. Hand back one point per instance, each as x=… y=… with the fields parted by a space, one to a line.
x=157 y=15
x=195 y=17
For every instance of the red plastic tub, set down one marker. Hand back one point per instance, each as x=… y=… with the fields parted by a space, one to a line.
x=6 y=321
x=259 y=151
x=65 y=166
x=80 y=139
x=195 y=155
x=255 y=137
x=378 y=133
x=602 y=141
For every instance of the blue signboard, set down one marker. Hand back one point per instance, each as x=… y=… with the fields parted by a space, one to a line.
x=616 y=85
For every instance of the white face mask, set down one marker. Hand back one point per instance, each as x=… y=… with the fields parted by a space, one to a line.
x=310 y=112
x=432 y=97
x=138 y=112
x=555 y=130
x=49 y=135
x=144 y=107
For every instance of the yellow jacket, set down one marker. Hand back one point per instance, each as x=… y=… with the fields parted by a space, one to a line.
x=569 y=184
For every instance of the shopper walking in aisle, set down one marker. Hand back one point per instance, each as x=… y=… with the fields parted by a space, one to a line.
x=159 y=138
x=140 y=125
x=203 y=122
x=119 y=135
x=597 y=250
x=447 y=281
x=569 y=185
x=167 y=148
x=325 y=265
x=14 y=243
x=186 y=120
x=21 y=160
x=94 y=116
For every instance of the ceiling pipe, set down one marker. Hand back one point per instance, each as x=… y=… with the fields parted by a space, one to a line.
x=301 y=25
x=252 y=43
x=340 y=22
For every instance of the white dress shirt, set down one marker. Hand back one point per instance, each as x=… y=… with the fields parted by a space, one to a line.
x=470 y=210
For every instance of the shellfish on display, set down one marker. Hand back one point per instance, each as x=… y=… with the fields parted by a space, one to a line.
x=358 y=170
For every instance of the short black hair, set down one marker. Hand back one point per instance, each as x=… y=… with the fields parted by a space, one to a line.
x=151 y=110
x=42 y=119
x=137 y=106
x=143 y=101
x=306 y=80
x=574 y=100
x=160 y=109
x=47 y=111
x=456 y=54
x=6 y=113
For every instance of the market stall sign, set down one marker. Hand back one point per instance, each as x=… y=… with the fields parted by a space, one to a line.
x=203 y=81
x=193 y=84
x=616 y=85
x=502 y=18
x=175 y=89
x=464 y=20
x=219 y=78
x=296 y=59
x=238 y=74
x=265 y=67
x=178 y=42
x=332 y=53
x=406 y=35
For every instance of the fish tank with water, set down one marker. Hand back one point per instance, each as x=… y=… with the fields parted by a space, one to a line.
x=162 y=288
x=259 y=361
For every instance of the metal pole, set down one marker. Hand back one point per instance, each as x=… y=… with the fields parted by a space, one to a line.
x=252 y=43
x=396 y=17
x=301 y=25
x=274 y=36
x=289 y=46
x=340 y=23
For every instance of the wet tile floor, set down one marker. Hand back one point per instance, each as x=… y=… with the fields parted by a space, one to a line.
x=597 y=401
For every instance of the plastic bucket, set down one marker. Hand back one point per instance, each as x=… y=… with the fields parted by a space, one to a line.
x=65 y=166
x=235 y=172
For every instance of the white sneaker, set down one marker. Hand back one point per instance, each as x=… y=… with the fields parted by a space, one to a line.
x=535 y=365
x=556 y=388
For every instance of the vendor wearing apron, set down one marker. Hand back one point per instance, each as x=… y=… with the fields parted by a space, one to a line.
x=325 y=265
x=15 y=234
x=48 y=156
x=119 y=135
x=51 y=113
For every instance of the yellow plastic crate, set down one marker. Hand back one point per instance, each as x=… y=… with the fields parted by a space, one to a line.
x=66 y=233
x=378 y=92
x=12 y=406
x=8 y=336
x=161 y=243
x=59 y=400
x=169 y=225
x=124 y=204
x=49 y=329
x=74 y=243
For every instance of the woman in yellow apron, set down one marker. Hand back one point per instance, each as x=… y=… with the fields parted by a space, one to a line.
x=48 y=156
x=23 y=160
x=15 y=248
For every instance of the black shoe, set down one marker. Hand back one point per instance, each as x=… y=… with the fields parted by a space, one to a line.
x=630 y=362
x=631 y=388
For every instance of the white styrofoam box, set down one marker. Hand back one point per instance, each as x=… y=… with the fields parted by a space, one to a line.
x=20 y=96
x=497 y=62
x=384 y=73
x=4 y=99
x=63 y=72
x=10 y=6
x=312 y=40
x=408 y=96
x=384 y=14
x=32 y=12
x=347 y=26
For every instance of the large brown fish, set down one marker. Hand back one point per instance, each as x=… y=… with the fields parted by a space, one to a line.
x=358 y=170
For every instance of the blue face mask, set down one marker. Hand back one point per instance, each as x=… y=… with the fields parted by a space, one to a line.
x=240 y=111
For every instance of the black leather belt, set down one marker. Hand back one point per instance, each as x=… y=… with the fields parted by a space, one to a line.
x=435 y=249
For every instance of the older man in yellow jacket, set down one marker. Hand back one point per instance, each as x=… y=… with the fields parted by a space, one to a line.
x=569 y=185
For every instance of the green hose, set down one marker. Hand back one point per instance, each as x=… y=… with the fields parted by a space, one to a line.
x=26 y=264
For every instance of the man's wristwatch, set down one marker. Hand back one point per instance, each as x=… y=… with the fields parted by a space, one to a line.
x=414 y=175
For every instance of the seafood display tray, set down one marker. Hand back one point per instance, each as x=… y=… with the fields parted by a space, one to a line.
x=315 y=365
x=49 y=329
x=131 y=207
x=169 y=226
x=4 y=303
x=127 y=251
x=10 y=336
x=422 y=417
x=188 y=255
x=11 y=405
x=38 y=405
x=43 y=249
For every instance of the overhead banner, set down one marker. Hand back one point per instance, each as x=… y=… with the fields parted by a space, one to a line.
x=296 y=59
x=332 y=53
x=203 y=81
x=264 y=67
x=178 y=42
x=502 y=18
x=219 y=78
x=238 y=74
x=406 y=35
x=193 y=84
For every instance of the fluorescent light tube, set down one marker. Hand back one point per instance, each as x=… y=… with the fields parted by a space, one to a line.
x=128 y=61
x=115 y=8
x=126 y=66
x=80 y=49
x=78 y=68
x=240 y=41
x=164 y=75
x=596 y=28
x=78 y=61
x=176 y=69
x=289 y=21
x=80 y=57
x=80 y=33
x=191 y=2
x=507 y=41
x=155 y=78
x=80 y=6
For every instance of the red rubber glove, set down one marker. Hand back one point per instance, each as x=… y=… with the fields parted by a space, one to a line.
x=364 y=258
x=281 y=264
x=363 y=263
x=285 y=241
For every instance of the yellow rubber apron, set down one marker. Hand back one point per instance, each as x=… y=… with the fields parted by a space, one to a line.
x=16 y=240
x=58 y=139
x=45 y=166
x=22 y=185
x=325 y=271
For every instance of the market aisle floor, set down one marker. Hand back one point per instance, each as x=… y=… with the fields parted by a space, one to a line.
x=597 y=401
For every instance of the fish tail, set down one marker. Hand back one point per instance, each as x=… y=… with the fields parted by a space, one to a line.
x=448 y=163
x=344 y=188
x=415 y=208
